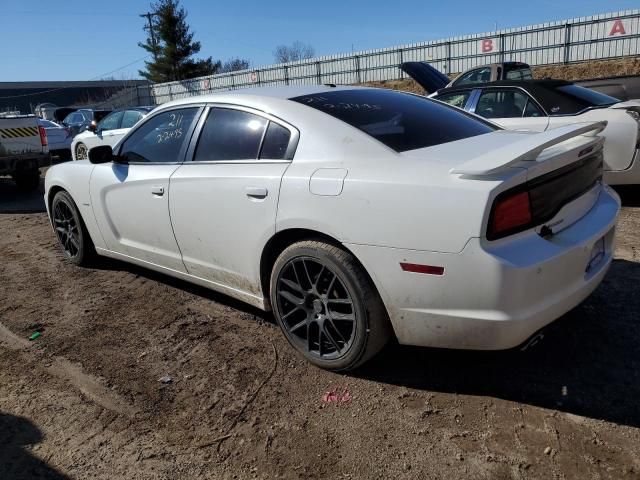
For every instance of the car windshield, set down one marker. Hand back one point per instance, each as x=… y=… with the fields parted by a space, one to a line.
x=399 y=120
x=517 y=73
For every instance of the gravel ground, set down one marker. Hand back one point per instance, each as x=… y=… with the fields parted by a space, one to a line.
x=85 y=399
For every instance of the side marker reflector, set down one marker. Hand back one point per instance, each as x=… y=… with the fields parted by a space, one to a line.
x=417 y=268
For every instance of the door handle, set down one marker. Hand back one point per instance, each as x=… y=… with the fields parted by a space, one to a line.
x=158 y=191
x=256 y=192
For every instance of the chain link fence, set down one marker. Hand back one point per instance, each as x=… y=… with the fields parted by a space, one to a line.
x=606 y=36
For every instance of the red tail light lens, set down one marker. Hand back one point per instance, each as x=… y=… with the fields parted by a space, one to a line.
x=43 y=135
x=509 y=214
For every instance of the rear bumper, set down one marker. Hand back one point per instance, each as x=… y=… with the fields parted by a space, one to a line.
x=493 y=297
x=17 y=163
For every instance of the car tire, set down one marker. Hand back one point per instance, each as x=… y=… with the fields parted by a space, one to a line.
x=81 y=151
x=327 y=306
x=27 y=180
x=70 y=230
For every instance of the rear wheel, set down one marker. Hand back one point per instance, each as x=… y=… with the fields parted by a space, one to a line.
x=327 y=306
x=71 y=232
x=27 y=180
x=82 y=153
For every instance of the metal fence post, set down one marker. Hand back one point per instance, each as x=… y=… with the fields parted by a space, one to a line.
x=400 y=63
x=448 y=58
x=233 y=84
x=170 y=93
x=286 y=75
x=567 y=43
x=319 y=73
x=357 y=60
x=258 y=77
x=502 y=45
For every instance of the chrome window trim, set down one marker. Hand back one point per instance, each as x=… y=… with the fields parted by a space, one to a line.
x=289 y=154
x=200 y=107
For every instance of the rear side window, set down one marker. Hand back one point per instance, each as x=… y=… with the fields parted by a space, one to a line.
x=399 y=120
x=276 y=142
x=160 y=139
x=230 y=135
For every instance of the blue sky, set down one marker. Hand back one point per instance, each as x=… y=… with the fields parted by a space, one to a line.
x=83 y=40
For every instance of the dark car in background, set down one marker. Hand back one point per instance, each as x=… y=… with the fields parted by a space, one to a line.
x=79 y=120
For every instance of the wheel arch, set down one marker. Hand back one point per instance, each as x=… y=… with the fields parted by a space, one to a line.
x=284 y=238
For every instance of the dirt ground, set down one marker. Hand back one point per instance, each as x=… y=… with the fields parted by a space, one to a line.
x=85 y=399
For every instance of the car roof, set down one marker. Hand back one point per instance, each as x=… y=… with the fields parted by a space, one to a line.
x=275 y=92
x=533 y=86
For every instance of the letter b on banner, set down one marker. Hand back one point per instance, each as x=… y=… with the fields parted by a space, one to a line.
x=486 y=45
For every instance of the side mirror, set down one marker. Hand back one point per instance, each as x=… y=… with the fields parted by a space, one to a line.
x=101 y=154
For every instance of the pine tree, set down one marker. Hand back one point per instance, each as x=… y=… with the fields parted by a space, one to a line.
x=173 y=47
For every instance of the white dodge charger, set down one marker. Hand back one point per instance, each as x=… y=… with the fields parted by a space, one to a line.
x=356 y=215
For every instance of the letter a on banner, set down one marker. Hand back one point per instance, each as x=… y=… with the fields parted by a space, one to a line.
x=617 y=29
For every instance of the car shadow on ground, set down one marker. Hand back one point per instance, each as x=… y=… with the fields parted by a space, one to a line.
x=13 y=200
x=588 y=362
x=629 y=194
x=17 y=435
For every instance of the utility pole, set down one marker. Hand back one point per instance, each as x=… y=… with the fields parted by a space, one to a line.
x=153 y=36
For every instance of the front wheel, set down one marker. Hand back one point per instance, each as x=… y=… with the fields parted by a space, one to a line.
x=73 y=238
x=327 y=306
x=82 y=153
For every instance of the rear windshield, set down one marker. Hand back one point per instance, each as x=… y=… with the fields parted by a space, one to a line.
x=571 y=99
x=399 y=120
x=517 y=73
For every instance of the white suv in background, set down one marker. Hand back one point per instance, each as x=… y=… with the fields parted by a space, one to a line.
x=108 y=131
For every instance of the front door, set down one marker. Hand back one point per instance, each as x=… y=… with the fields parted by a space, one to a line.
x=131 y=199
x=223 y=202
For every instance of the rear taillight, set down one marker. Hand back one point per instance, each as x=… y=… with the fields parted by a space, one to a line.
x=510 y=213
x=43 y=136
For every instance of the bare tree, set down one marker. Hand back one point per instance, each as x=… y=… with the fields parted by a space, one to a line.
x=291 y=53
x=235 y=64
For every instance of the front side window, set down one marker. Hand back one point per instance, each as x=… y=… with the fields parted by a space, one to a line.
x=110 y=122
x=130 y=118
x=505 y=103
x=161 y=138
x=457 y=99
x=399 y=120
x=479 y=75
x=230 y=135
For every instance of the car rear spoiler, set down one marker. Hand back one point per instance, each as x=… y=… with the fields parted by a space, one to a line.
x=527 y=149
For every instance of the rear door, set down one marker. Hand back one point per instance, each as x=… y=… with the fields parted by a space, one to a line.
x=223 y=199
x=512 y=108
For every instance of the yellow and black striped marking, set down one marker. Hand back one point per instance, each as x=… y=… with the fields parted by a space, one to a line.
x=19 y=132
